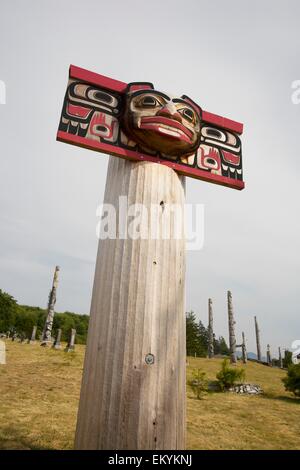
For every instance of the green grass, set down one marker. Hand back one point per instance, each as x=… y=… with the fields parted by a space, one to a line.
x=39 y=390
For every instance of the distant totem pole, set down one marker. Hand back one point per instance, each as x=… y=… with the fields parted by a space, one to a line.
x=71 y=343
x=280 y=358
x=269 y=358
x=33 y=335
x=210 y=330
x=257 y=334
x=244 y=349
x=231 y=323
x=56 y=344
x=46 y=337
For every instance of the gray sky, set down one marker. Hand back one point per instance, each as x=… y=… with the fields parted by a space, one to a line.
x=234 y=58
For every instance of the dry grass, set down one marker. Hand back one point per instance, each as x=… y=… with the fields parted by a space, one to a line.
x=39 y=390
x=231 y=421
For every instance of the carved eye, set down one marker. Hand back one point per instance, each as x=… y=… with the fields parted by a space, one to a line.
x=213 y=133
x=188 y=114
x=149 y=102
x=102 y=97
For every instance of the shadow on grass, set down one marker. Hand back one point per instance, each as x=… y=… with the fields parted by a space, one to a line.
x=270 y=396
x=193 y=397
x=11 y=438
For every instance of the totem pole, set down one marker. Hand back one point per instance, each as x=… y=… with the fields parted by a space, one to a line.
x=56 y=344
x=210 y=330
x=257 y=334
x=133 y=386
x=71 y=343
x=231 y=323
x=280 y=358
x=269 y=358
x=244 y=349
x=46 y=337
x=33 y=335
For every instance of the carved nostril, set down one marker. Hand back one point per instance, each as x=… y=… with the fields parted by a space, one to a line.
x=177 y=116
x=166 y=112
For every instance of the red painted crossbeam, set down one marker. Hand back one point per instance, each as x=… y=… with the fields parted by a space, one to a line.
x=120 y=87
x=135 y=156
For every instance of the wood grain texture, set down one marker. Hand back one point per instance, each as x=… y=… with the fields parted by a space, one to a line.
x=137 y=309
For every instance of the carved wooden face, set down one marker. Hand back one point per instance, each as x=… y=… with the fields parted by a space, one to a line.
x=136 y=122
x=162 y=124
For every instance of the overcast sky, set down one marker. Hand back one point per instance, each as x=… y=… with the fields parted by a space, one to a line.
x=233 y=58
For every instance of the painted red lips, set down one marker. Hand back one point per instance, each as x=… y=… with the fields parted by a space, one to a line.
x=167 y=127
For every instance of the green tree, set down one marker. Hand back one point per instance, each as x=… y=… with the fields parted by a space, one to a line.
x=220 y=346
x=38 y=316
x=198 y=383
x=194 y=341
x=8 y=310
x=24 y=322
x=192 y=346
x=228 y=376
x=292 y=380
x=287 y=359
x=203 y=338
x=68 y=320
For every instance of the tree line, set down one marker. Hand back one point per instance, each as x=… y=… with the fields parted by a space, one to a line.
x=197 y=338
x=20 y=320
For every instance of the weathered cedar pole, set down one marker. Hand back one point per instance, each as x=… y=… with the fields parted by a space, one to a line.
x=257 y=333
x=46 y=337
x=269 y=359
x=56 y=344
x=133 y=388
x=280 y=358
x=244 y=349
x=210 y=330
x=231 y=323
x=33 y=335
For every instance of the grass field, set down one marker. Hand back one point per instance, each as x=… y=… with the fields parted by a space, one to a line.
x=39 y=391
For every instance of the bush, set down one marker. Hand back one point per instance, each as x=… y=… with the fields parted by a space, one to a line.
x=228 y=376
x=287 y=360
x=292 y=380
x=198 y=383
